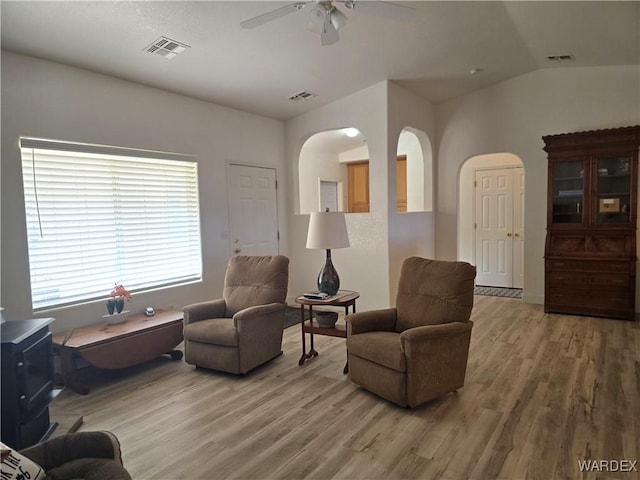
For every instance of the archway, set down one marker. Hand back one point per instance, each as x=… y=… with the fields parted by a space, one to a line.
x=414 y=179
x=491 y=218
x=324 y=177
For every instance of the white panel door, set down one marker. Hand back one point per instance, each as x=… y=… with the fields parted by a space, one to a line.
x=499 y=227
x=253 y=210
x=328 y=196
x=518 y=227
x=494 y=205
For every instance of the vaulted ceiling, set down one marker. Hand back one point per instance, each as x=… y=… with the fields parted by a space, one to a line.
x=257 y=70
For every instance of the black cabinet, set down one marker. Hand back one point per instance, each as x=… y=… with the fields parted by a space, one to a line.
x=27 y=381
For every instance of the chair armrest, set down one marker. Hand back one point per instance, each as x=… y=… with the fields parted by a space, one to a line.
x=60 y=450
x=371 y=321
x=204 y=310
x=413 y=338
x=247 y=316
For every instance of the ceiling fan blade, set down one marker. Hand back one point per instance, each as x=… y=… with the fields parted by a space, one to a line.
x=391 y=10
x=329 y=34
x=272 y=15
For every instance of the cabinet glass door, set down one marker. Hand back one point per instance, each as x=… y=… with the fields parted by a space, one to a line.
x=568 y=191
x=613 y=187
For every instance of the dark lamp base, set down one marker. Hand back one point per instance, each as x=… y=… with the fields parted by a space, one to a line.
x=328 y=280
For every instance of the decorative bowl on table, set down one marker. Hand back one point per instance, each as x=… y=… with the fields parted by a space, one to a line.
x=116 y=318
x=326 y=319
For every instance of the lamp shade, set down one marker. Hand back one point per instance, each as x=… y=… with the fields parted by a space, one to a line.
x=327 y=230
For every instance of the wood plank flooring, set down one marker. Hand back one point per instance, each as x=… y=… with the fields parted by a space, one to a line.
x=542 y=393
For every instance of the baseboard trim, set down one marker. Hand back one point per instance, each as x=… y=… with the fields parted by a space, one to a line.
x=534 y=299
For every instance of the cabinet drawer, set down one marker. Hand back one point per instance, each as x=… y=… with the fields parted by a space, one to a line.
x=610 y=244
x=610 y=280
x=568 y=279
x=594 y=245
x=588 y=299
x=589 y=266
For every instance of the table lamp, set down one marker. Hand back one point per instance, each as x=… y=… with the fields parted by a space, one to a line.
x=327 y=230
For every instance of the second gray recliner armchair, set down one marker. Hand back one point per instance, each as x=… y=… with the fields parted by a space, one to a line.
x=417 y=350
x=243 y=329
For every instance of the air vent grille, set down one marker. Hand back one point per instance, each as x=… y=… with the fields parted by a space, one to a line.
x=302 y=96
x=166 y=48
x=560 y=58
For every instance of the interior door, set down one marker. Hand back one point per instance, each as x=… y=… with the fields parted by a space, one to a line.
x=518 y=227
x=401 y=183
x=358 y=194
x=499 y=227
x=253 y=210
x=328 y=196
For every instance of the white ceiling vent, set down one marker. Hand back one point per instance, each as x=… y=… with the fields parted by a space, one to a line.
x=560 y=58
x=166 y=48
x=302 y=96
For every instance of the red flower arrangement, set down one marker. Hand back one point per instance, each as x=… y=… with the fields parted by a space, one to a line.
x=120 y=292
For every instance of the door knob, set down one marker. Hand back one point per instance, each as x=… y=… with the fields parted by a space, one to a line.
x=516 y=234
x=237 y=250
x=508 y=234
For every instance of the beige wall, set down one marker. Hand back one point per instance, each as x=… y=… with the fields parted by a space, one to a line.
x=316 y=165
x=410 y=233
x=363 y=266
x=512 y=116
x=382 y=238
x=50 y=100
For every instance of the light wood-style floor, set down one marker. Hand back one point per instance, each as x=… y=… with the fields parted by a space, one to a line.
x=542 y=392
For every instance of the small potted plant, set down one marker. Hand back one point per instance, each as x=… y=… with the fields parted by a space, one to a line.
x=117 y=297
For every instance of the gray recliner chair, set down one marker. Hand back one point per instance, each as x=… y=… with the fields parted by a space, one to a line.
x=243 y=329
x=418 y=350
x=79 y=455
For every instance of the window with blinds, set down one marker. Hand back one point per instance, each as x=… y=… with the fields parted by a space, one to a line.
x=99 y=215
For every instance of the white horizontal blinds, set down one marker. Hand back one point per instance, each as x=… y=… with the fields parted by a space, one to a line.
x=94 y=219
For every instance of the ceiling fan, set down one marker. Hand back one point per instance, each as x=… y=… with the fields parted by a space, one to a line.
x=325 y=19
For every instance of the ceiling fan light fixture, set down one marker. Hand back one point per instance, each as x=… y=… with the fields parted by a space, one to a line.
x=338 y=19
x=325 y=19
x=317 y=17
x=329 y=35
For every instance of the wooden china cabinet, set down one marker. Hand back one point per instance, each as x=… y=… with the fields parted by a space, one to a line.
x=590 y=250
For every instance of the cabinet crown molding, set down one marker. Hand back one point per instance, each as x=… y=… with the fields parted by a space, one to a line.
x=603 y=137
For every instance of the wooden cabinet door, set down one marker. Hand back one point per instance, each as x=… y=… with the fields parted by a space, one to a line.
x=401 y=183
x=614 y=202
x=569 y=191
x=358 y=177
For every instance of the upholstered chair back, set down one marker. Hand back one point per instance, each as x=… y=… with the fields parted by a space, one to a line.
x=255 y=280
x=432 y=292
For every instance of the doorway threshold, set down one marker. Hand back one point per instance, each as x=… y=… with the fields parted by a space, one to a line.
x=498 y=291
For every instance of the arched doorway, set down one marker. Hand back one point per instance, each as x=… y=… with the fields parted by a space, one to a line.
x=491 y=219
x=414 y=178
x=325 y=179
